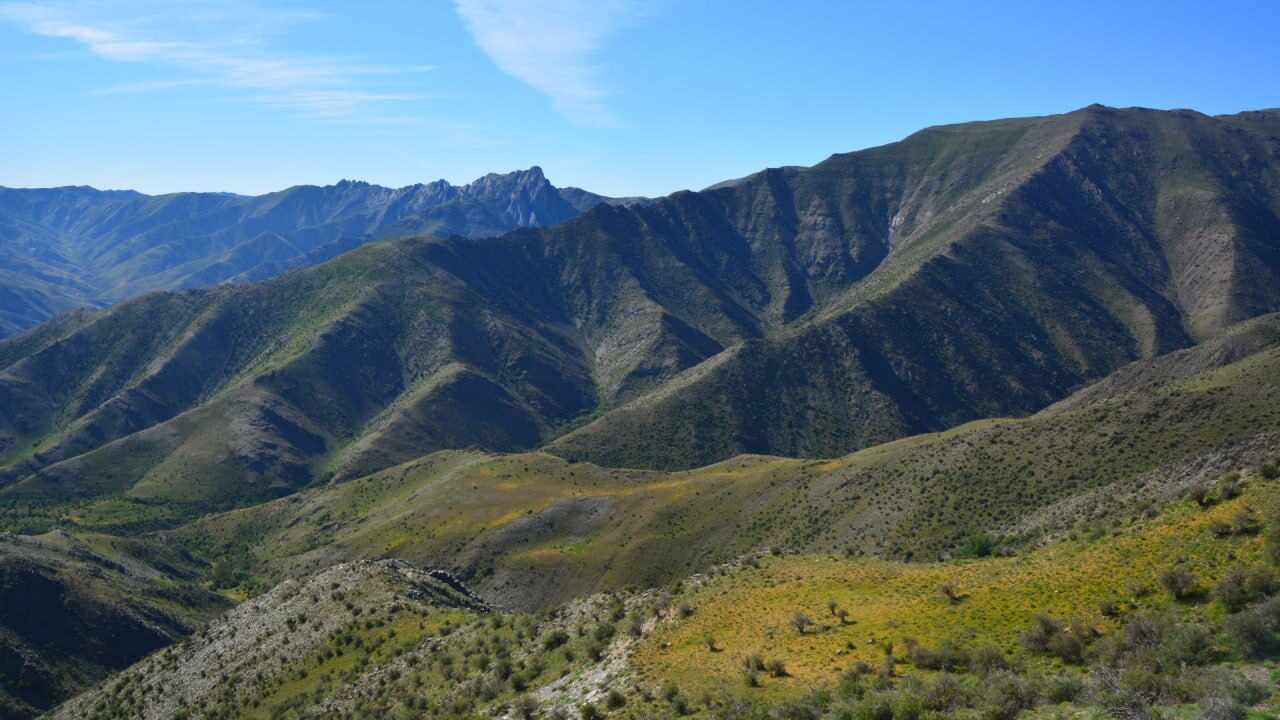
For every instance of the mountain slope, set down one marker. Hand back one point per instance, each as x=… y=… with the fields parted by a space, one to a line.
x=75 y=246
x=380 y=638
x=531 y=530
x=968 y=271
x=73 y=610
x=258 y=642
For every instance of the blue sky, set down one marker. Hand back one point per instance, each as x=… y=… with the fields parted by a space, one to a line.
x=617 y=96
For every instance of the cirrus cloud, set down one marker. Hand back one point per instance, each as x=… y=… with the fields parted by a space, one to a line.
x=152 y=34
x=550 y=45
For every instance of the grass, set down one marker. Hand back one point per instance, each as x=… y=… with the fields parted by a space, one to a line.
x=565 y=529
x=748 y=611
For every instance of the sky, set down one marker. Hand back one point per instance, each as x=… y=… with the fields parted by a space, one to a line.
x=617 y=96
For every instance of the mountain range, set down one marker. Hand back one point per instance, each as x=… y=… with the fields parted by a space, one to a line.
x=968 y=271
x=71 y=247
x=631 y=436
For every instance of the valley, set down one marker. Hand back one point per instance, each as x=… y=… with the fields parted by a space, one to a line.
x=982 y=423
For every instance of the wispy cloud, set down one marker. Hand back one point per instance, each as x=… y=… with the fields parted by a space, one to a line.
x=319 y=86
x=551 y=46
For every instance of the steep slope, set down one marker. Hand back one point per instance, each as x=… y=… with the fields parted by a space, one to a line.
x=1140 y=233
x=1075 y=628
x=71 y=247
x=968 y=271
x=532 y=530
x=72 y=611
x=259 y=643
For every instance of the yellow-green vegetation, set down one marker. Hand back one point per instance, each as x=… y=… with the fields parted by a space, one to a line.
x=534 y=530
x=858 y=606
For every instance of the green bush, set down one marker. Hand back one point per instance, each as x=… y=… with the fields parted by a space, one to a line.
x=555 y=639
x=1062 y=688
x=980 y=545
x=1241 y=587
x=615 y=700
x=877 y=706
x=1007 y=696
x=1180 y=583
x=1249 y=632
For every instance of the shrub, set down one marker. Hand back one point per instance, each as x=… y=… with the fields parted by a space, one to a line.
x=1007 y=696
x=948 y=656
x=603 y=632
x=1241 y=587
x=801 y=621
x=850 y=686
x=1222 y=682
x=979 y=545
x=1043 y=629
x=1069 y=645
x=1272 y=543
x=555 y=639
x=1062 y=688
x=1245 y=522
x=878 y=706
x=1221 y=708
x=945 y=693
x=1270 y=471
x=526 y=707
x=949 y=592
x=986 y=660
x=1180 y=583
x=1118 y=697
x=1187 y=644
x=907 y=705
x=777 y=668
x=1199 y=494
x=1249 y=632
x=589 y=712
x=615 y=700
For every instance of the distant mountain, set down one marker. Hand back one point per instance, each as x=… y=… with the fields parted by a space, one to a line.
x=70 y=247
x=968 y=271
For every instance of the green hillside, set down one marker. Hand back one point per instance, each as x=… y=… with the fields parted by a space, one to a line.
x=1084 y=627
x=968 y=271
x=532 y=530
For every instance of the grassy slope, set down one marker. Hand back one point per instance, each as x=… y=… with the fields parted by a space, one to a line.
x=749 y=611
x=356 y=639
x=532 y=529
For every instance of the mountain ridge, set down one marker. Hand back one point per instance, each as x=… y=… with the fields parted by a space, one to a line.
x=77 y=246
x=969 y=271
